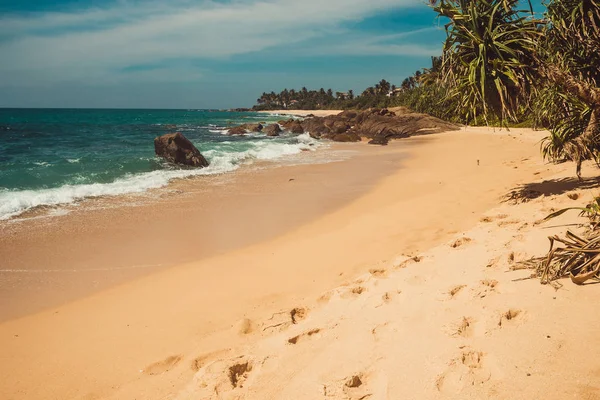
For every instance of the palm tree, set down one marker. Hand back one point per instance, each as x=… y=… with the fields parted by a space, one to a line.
x=488 y=56
x=570 y=104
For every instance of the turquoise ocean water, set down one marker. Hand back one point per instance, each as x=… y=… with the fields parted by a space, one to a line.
x=61 y=156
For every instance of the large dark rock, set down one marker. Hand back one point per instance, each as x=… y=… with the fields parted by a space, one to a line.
x=375 y=124
x=339 y=127
x=272 y=130
x=346 y=137
x=381 y=140
x=176 y=148
x=253 y=127
x=292 y=125
x=237 y=130
x=315 y=127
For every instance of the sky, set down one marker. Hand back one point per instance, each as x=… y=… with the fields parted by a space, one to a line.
x=204 y=53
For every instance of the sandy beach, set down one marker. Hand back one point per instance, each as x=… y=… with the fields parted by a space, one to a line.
x=385 y=275
x=304 y=113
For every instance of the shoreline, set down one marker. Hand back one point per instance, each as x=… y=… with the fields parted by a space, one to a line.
x=160 y=322
x=65 y=243
x=303 y=113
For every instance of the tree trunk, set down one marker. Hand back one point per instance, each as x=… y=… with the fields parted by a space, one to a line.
x=588 y=142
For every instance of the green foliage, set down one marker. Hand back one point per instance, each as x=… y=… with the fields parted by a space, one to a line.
x=488 y=63
x=566 y=117
x=377 y=96
x=429 y=99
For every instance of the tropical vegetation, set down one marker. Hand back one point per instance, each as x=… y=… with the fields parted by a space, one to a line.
x=501 y=64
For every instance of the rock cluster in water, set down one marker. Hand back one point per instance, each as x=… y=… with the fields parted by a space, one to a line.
x=376 y=125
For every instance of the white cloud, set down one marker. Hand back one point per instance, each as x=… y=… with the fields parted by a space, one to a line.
x=95 y=44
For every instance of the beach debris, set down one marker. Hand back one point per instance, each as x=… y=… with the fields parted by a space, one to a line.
x=176 y=148
x=579 y=259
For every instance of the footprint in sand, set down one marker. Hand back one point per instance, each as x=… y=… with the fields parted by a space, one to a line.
x=354 y=292
x=456 y=290
x=493 y=218
x=460 y=242
x=378 y=273
x=238 y=373
x=226 y=378
x=284 y=319
x=464 y=328
x=486 y=287
x=463 y=372
x=353 y=387
x=204 y=359
x=509 y=222
x=406 y=263
x=162 y=366
x=509 y=316
x=303 y=336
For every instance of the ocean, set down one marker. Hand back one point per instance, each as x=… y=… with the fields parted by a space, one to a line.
x=50 y=157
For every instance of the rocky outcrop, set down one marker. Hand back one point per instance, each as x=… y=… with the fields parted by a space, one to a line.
x=237 y=130
x=245 y=128
x=176 y=148
x=272 y=130
x=253 y=127
x=378 y=125
x=346 y=137
x=292 y=125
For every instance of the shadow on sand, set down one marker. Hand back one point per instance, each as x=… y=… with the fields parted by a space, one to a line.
x=530 y=191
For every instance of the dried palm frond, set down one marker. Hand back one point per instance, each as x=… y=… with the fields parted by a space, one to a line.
x=579 y=259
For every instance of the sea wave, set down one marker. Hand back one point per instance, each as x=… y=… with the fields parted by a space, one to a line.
x=15 y=202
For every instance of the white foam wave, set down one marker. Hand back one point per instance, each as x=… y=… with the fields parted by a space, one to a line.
x=73 y=160
x=13 y=203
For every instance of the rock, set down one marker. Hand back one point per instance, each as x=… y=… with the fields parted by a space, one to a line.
x=346 y=137
x=296 y=128
x=292 y=125
x=380 y=140
x=237 y=130
x=272 y=130
x=339 y=127
x=375 y=124
x=176 y=148
x=315 y=127
x=253 y=127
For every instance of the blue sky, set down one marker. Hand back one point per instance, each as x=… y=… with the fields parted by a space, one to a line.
x=202 y=53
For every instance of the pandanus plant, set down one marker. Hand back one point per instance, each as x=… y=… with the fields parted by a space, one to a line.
x=488 y=59
x=498 y=60
x=571 y=70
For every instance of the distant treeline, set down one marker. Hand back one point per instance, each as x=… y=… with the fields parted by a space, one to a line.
x=379 y=95
x=418 y=92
